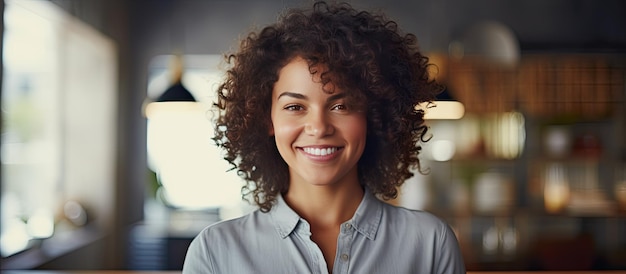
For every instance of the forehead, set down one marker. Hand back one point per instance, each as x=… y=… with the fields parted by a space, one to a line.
x=300 y=71
x=298 y=76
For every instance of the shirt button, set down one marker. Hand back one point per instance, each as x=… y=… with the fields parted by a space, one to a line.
x=344 y=257
x=347 y=226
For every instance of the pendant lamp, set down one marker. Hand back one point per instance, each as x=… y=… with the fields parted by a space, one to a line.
x=444 y=107
x=176 y=98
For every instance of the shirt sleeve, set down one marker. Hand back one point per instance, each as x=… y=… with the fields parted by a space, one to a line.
x=198 y=259
x=449 y=259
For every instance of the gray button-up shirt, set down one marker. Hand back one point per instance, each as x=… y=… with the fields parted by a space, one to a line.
x=380 y=238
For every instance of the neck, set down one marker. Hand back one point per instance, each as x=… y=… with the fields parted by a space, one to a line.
x=325 y=205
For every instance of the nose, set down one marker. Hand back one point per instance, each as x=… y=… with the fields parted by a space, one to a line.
x=318 y=124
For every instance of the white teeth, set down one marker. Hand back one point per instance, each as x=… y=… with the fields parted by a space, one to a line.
x=320 y=151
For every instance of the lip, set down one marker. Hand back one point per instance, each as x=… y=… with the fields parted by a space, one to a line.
x=319 y=157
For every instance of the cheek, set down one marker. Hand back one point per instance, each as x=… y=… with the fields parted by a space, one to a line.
x=284 y=130
x=357 y=128
x=285 y=135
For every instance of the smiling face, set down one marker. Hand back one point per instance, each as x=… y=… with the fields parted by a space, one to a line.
x=318 y=134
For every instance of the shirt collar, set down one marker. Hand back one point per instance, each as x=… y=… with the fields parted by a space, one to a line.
x=285 y=219
x=368 y=215
x=366 y=219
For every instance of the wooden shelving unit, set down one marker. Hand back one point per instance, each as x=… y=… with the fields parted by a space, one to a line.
x=586 y=95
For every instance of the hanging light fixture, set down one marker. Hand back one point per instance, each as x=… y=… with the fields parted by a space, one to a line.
x=444 y=107
x=176 y=98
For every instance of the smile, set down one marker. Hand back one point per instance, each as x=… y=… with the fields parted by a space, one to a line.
x=320 y=151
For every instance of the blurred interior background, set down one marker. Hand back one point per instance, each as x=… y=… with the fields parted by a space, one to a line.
x=107 y=161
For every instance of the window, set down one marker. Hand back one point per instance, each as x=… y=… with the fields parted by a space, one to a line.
x=191 y=172
x=58 y=134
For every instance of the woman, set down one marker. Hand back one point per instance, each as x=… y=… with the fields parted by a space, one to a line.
x=317 y=114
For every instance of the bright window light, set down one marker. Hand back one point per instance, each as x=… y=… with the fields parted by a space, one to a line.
x=58 y=132
x=189 y=167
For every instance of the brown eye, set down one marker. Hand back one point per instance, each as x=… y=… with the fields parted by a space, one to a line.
x=339 y=107
x=293 y=108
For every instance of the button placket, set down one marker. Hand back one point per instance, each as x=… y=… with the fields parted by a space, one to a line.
x=344 y=257
x=303 y=230
x=343 y=248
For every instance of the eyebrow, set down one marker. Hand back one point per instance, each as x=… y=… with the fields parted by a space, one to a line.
x=336 y=96
x=304 y=97
x=292 y=94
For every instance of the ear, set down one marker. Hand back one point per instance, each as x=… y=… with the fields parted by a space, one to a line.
x=271 y=129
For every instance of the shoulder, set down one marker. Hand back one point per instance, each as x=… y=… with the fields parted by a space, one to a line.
x=207 y=247
x=428 y=233
x=236 y=227
x=414 y=218
x=418 y=224
x=224 y=235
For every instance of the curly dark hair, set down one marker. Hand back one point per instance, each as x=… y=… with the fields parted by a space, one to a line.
x=363 y=53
